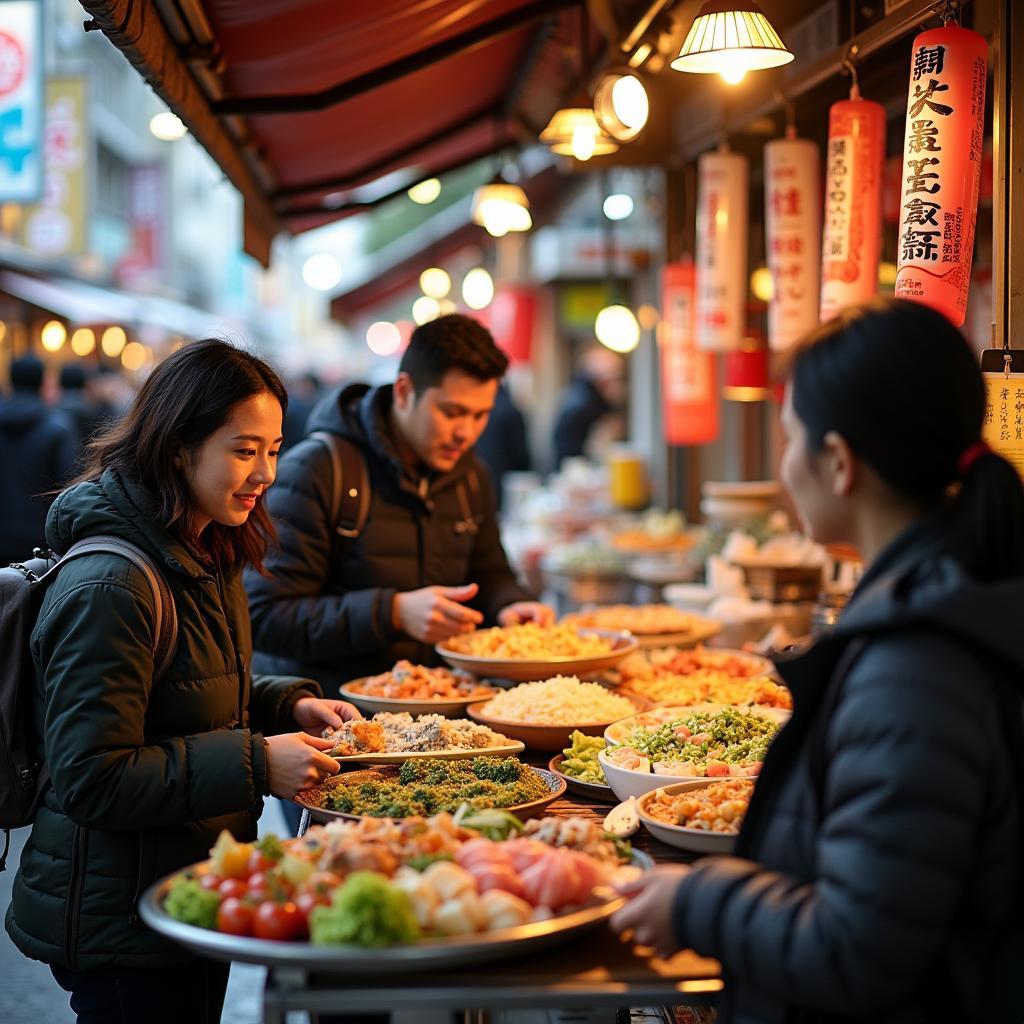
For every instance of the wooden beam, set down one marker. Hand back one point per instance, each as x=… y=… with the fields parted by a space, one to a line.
x=137 y=31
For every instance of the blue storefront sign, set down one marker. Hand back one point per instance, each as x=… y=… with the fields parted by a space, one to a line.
x=21 y=101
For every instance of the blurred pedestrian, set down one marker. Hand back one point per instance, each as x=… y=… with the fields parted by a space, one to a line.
x=593 y=400
x=503 y=446
x=38 y=448
x=79 y=402
x=303 y=394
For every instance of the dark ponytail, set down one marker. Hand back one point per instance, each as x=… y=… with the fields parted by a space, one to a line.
x=903 y=387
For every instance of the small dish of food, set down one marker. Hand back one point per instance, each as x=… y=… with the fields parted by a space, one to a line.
x=418 y=690
x=703 y=816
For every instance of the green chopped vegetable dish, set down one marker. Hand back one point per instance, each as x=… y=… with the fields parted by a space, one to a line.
x=730 y=735
x=581 y=758
x=188 y=902
x=366 y=911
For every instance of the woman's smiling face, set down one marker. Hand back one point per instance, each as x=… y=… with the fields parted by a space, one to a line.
x=228 y=473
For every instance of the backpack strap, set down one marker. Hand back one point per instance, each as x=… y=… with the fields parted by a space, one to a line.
x=350 y=484
x=165 y=626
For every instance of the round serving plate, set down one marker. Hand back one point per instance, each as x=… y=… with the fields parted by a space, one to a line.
x=590 y=790
x=696 y=840
x=507 y=749
x=546 y=737
x=451 y=707
x=312 y=799
x=531 y=670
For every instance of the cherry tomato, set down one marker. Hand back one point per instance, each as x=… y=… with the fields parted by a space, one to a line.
x=306 y=901
x=234 y=917
x=279 y=921
x=210 y=881
x=322 y=883
x=258 y=863
x=232 y=888
x=259 y=887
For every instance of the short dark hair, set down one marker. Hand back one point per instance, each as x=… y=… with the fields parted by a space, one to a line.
x=72 y=377
x=183 y=401
x=27 y=373
x=452 y=342
x=850 y=376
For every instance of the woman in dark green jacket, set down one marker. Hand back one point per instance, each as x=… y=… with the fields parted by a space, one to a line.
x=147 y=771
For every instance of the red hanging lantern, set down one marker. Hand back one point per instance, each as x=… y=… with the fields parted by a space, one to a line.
x=942 y=157
x=853 y=203
x=689 y=399
x=746 y=373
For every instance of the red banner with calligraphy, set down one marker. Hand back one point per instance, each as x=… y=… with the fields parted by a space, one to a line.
x=689 y=399
x=942 y=157
x=852 y=234
x=792 y=200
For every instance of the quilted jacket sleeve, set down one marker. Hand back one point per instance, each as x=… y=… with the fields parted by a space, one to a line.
x=96 y=685
x=274 y=697
x=904 y=801
x=292 y=616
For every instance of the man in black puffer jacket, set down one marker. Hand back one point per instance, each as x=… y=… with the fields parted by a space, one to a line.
x=38 y=448
x=426 y=565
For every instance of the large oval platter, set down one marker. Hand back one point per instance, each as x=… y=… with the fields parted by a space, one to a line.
x=311 y=799
x=428 y=954
x=452 y=707
x=525 y=670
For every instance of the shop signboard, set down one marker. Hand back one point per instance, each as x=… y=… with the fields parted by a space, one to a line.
x=792 y=199
x=690 y=402
x=942 y=157
x=143 y=263
x=1003 y=428
x=57 y=224
x=721 y=249
x=21 y=101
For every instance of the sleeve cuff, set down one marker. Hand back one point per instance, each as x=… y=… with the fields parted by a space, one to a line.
x=260 y=775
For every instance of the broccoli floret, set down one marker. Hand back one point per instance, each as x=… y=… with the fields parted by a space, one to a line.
x=271 y=848
x=366 y=911
x=190 y=903
x=508 y=770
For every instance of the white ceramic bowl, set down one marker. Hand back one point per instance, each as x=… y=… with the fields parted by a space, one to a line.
x=694 y=839
x=626 y=782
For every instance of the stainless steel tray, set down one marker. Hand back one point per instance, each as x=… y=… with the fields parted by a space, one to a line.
x=430 y=954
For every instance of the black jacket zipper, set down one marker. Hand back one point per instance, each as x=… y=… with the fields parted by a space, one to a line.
x=73 y=904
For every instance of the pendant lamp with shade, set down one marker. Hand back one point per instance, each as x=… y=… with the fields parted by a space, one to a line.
x=730 y=38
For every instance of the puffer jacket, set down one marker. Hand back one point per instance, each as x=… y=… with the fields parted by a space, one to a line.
x=325 y=610
x=144 y=774
x=878 y=874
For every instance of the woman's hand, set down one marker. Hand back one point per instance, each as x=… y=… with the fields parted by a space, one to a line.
x=649 y=911
x=296 y=761
x=433 y=614
x=526 y=611
x=314 y=714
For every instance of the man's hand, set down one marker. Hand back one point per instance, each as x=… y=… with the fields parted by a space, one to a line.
x=649 y=911
x=526 y=611
x=434 y=614
x=314 y=714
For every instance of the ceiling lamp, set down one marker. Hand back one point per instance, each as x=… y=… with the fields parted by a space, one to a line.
x=425 y=192
x=574 y=131
x=500 y=208
x=167 y=126
x=621 y=105
x=616 y=328
x=435 y=282
x=730 y=38
x=477 y=288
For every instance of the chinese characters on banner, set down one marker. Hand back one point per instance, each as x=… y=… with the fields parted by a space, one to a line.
x=721 y=249
x=56 y=226
x=792 y=200
x=942 y=154
x=21 y=101
x=689 y=400
x=852 y=233
x=1003 y=429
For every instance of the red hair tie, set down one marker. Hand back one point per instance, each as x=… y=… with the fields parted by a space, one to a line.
x=970 y=456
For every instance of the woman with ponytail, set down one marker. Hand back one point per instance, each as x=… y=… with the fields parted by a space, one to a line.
x=878 y=872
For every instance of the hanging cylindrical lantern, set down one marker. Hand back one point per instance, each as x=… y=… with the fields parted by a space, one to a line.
x=721 y=249
x=792 y=201
x=853 y=203
x=746 y=373
x=690 y=401
x=942 y=154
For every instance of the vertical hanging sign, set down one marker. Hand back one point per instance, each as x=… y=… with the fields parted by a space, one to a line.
x=721 y=249
x=21 y=101
x=689 y=401
x=1003 y=426
x=852 y=234
x=942 y=154
x=792 y=200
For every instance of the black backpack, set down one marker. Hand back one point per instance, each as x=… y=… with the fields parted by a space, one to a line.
x=23 y=776
x=350 y=489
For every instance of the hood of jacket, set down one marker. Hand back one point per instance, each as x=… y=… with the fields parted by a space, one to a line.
x=361 y=414
x=117 y=506
x=22 y=411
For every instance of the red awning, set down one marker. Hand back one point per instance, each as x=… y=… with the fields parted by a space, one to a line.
x=300 y=101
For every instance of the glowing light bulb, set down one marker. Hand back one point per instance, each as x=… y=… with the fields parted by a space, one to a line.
x=477 y=288
x=53 y=335
x=425 y=192
x=582 y=143
x=732 y=68
x=435 y=282
x=83 y=341
x=616 y=328
x=425 y=308
x=629 y=101
x=383 y=338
